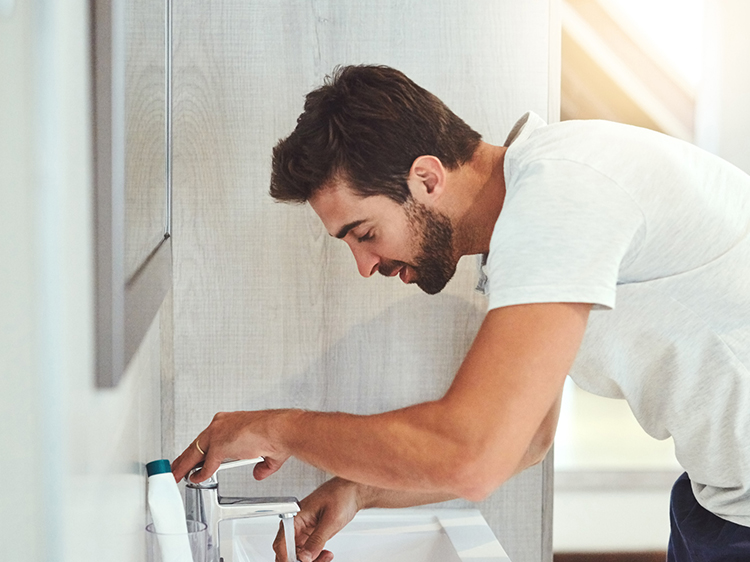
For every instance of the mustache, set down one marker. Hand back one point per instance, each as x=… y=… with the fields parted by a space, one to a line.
x=388 y=268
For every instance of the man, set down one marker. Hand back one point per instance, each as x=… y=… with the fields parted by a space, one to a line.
x=570 y=218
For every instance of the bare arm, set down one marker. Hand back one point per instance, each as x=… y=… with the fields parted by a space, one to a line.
x=370 y=496
x=484 y=430
x=330 y=508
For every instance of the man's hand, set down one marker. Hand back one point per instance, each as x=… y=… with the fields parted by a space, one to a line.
x=333 y=505
x=322 y=514
x=236 y=435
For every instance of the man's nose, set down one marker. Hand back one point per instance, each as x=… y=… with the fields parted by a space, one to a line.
x=367 y=262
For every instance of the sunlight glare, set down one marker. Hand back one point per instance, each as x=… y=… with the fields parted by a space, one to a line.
x=674 y=28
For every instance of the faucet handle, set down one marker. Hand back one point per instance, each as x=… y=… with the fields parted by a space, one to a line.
x=212 y=481
x=236 y=464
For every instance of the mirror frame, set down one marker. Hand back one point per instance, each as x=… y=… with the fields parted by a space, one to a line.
x=124 y=308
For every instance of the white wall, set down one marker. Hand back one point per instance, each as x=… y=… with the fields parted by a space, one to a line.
x=20 y=409
x=723 y=111
x=73 y=456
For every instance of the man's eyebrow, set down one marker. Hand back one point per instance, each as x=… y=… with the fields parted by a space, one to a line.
x=347 y=227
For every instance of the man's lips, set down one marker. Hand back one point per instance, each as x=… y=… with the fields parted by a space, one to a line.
x=404 y=275
x=402 y=271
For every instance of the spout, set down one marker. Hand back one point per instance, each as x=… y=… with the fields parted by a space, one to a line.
x=236 y=508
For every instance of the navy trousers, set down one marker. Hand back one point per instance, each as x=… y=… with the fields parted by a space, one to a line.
x=700 y=536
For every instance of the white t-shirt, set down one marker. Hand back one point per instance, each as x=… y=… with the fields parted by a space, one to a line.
x=655 y=233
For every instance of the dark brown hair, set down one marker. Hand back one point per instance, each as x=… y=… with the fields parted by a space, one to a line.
x=366 y=125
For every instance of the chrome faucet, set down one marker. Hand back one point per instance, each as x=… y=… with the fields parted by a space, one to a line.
x=204 y=503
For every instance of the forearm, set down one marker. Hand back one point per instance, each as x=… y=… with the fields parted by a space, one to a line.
x=371 y=496
x=409 y=451
x=416 y=449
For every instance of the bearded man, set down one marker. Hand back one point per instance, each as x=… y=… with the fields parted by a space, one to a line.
x=611 y=253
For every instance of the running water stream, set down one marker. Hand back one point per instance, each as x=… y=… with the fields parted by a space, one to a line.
x=291 y=551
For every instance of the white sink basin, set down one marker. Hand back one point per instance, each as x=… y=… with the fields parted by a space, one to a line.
x=375 y=535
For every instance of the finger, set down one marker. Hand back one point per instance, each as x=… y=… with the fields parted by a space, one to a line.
x=279 y=545
x=327 y=526
x=325 y=556
x=279 y=542
x=267 y=468
x=304 y=556
x=210 y=465
x=279 y=548
x=187 y=460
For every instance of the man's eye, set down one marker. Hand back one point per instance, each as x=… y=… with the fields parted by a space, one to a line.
x=365 y=237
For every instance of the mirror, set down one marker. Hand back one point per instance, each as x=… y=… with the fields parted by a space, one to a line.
x=131 y=57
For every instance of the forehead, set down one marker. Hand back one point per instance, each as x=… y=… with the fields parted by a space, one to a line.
x=338 y=206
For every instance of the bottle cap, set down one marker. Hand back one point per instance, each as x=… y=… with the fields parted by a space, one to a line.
x=158 y=467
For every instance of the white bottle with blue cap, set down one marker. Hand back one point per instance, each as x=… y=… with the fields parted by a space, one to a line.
x=168 y=513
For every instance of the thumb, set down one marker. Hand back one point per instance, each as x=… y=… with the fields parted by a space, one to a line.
x=267 y=467
x=325 y=529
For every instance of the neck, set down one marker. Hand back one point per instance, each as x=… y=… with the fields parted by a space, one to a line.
x=479 y=196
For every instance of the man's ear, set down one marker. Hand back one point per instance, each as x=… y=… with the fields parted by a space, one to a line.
x=427 y=178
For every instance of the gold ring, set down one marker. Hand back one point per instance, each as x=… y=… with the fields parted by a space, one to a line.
x=201 y=451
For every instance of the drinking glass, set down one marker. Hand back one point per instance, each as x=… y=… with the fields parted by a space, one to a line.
x=171 y=547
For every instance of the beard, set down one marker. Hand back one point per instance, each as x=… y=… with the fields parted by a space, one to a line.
x=434 y=264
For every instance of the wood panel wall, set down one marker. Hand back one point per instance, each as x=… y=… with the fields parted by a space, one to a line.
x=269 y=311
x=145 y=129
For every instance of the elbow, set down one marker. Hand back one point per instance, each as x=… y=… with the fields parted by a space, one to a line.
x=541 y=454
x=478 y=493
x=475 y=475
x=475 y=460
x=479 y=482
x=539 y=447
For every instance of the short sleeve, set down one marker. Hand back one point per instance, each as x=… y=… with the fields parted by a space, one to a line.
x=562 y=234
